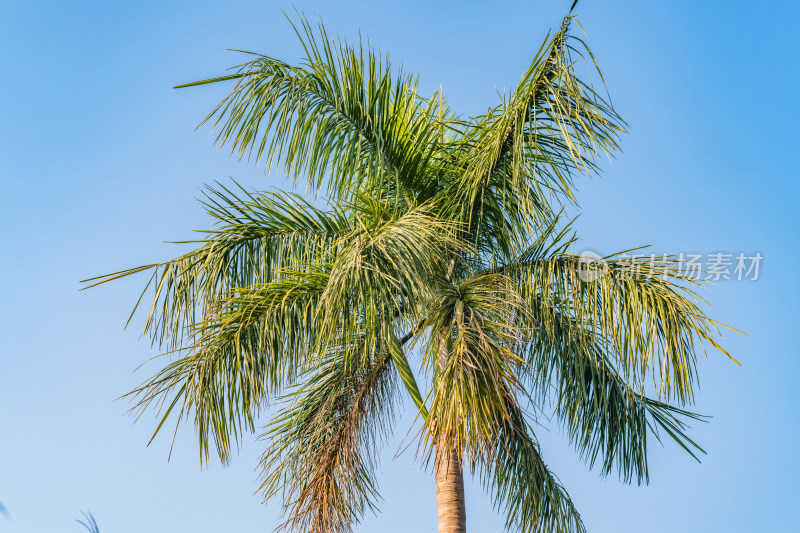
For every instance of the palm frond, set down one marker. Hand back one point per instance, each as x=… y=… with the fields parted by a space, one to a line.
x=254 y=343
x=322 y=447
x=383 y=271
x=644 y=309
x=256 y=235
x=607 y=420
x=527 y=149
x=340 y=120
x=523 y=487
x=90 y=524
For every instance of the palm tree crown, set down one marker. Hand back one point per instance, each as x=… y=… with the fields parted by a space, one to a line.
x=441 y=245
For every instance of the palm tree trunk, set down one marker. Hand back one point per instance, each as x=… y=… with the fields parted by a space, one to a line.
x=450 y=493
x=449 y=475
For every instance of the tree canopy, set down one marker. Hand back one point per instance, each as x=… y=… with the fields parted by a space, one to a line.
x=440 y=270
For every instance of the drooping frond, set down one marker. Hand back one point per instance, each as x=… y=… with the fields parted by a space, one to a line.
x=90 y=523
x=607 y=420
x=340 y=121
x=254 y=340
x=254 y=343
x=255 y=236
x=523 y=487
x=643 y=309
x=322 y=447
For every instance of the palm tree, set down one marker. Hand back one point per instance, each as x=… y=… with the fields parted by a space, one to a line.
x=440 y=244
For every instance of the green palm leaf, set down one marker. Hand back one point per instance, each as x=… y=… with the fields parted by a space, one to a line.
x=340 y=117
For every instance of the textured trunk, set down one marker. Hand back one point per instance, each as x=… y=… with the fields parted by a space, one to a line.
x=449 y=475
x=450 y=493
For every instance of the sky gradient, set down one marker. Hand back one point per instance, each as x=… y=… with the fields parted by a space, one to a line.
x=100 y=164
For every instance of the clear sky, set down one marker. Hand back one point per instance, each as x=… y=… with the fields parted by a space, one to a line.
x=100 y=163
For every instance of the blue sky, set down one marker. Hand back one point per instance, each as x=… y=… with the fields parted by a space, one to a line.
x=100 y=163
